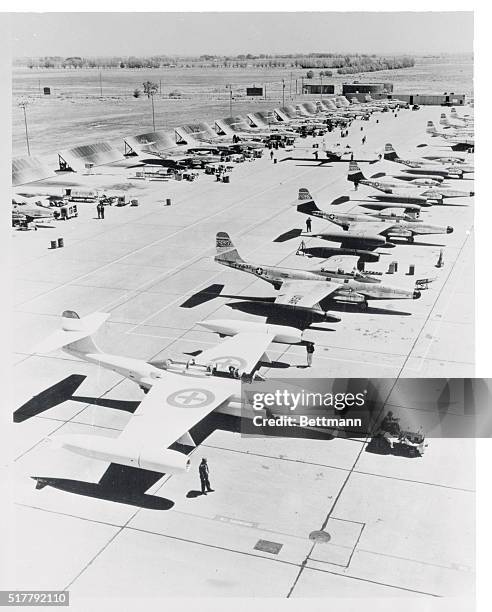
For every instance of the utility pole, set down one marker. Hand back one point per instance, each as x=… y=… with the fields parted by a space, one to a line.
x=321 y=81
x=23 y=105
x=302 y=85
x=229 y=86
x=290 y=87
x=283 y=92
x=100 y=84
x=153 y=115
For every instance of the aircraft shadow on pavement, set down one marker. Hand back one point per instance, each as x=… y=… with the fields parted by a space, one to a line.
x=49 y=398
x=370 y=310
x=279 y=315
x=203 y=296
x=289 y=235
x=121 y=484
x=417 y=243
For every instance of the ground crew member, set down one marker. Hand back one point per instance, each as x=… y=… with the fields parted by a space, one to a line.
x=363 y=140
x=390 y=427
x=204 y=472
x=308 y=225
x=99 y=207
x=352 y=156
x=271 y=153
x=315 y=155
x=102 y=209
x=309 y=353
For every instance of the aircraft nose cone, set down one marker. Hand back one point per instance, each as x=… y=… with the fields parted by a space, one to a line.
x=416 y=295
x=449 y=230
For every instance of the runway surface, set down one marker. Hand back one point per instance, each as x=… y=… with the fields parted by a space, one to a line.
x=399 y=527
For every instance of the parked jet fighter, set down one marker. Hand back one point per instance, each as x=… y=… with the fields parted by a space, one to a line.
x=178 y=397
x=415 y=196
x=419 y=166
x=458 y=141
x=310 y=289
x=358 y=224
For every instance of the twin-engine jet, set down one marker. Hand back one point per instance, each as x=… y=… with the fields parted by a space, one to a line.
x=421 y=166
x=177 y=396
x=405 y=195
x=310 y=290
x=389 y=224
x=457 y=140
x=461 y=125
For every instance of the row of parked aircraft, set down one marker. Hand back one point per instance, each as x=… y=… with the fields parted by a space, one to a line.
x=179 y=394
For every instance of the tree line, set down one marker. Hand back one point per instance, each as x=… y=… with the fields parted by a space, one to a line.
x=344 y=64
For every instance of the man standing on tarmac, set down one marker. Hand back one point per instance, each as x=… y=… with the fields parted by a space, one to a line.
x=309 y=353
x=204 y=472
x=308 y=225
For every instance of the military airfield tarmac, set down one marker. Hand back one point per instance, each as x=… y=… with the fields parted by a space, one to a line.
x=399 y=527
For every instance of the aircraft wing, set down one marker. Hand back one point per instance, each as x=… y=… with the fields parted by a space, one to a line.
x=174 y=404
x=305 y=293
x=340 y=262
x=362 y=228
x=242 y=351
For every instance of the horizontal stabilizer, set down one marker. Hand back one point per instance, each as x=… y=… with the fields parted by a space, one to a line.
x=73 y=330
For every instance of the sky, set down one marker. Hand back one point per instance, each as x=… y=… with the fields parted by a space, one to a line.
x=96 y=34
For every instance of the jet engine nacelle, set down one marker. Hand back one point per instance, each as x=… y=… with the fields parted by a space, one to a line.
x=349 y=296
x=156 y=459
x=346 y=236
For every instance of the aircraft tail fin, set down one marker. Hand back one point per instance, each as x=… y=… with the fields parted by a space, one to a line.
x=304 y=195
x=75 y=334
x=444 y=120
x=354 y=172
x=389 y=152
x=431 y=128
x=309 y=208
x=225 y=249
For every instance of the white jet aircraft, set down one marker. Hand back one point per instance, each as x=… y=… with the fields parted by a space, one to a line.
x=177 y=397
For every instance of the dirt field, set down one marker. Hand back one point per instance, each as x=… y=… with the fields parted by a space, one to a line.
x=75 y=113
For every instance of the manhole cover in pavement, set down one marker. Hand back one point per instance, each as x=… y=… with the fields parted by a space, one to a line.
x=320 y=537
x=269 y=547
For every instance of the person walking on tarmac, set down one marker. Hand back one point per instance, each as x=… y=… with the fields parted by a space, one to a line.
x=99 y=207
x=308 y=225
x=309 y=353
x=204 y=472
x=271 y=153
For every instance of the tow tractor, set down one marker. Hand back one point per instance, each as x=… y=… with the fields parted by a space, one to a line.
x=391 y=439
